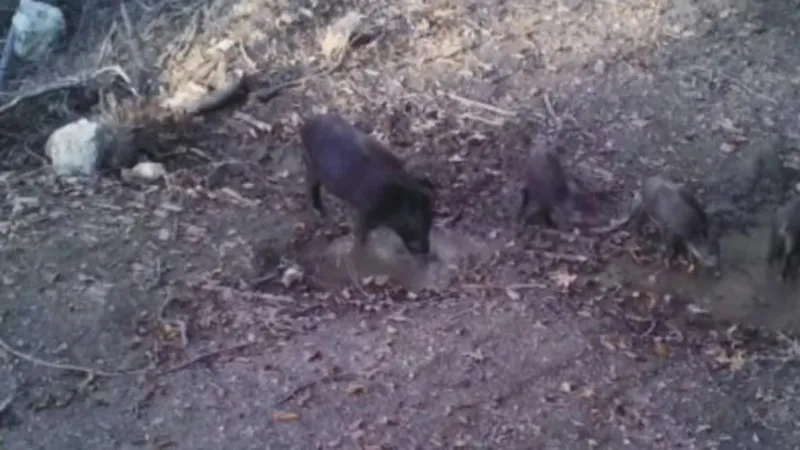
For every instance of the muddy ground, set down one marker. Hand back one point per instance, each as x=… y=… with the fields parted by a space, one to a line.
x=526 y=340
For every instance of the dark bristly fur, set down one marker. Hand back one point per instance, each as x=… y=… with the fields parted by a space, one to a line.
x=784 y=238
x=681 y=219
x=546 y=187
x=356 y=168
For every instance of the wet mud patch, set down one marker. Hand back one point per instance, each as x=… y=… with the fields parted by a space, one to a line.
x=746 y=292
x=339 y=262
x=750 y=292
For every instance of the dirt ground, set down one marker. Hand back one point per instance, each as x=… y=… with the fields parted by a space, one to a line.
x=216 y=289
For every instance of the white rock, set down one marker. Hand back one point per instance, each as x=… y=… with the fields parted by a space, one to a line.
x=148 y=171
x=73 y=148
x=84 y=146
x=36 y=27
x=291 y=275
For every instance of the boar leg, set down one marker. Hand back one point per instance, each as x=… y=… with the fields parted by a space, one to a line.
x=315 y=193
x=673 y=247
x=638 y=219
x=523 y=204
x=546 y=216
x=775 y=248
x=365 y=223
x=787 y=266
x=789 y=257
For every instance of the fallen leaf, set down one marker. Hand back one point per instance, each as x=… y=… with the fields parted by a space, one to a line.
x=285 y=416
x=312 y=355
x=356 y=389
x=563 y=279
x=566 y=386
x=728 y=126
x=456 y=158
x=702 y=428
x=605 y=340
x=587 y=393
x=661 y=349
x=512 y=294
x=727 y=147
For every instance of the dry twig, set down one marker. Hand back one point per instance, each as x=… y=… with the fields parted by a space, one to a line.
x=551 y=111
x=7 y=401
x=562 y=256
x=512 y=286
x=486 y=106
x=68 y=367
x=337 y=377
x=92 y=373
x=202 y=357
x=6 y=56
x=277 y=300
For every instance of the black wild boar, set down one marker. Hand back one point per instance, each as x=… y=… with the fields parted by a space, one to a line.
x=784 y=238
x=547 y=188
x=680 y=218
x=356 y=168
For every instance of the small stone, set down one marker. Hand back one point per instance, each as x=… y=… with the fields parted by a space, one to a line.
x=599 y=67
x=164 y=234
x=148 y=171
x=291 y=275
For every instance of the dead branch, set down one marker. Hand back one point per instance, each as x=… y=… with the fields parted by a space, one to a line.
x=68 y=367
x=277 y=300
x=72 y=81
x=6 y=56
x=338 y=377
x=551 y=111
x=7 y=401
x=202 y=357
x=562 y=256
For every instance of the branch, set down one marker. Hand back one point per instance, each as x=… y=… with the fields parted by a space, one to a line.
x=65 y=83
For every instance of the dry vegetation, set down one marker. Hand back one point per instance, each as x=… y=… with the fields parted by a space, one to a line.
x=199 y=313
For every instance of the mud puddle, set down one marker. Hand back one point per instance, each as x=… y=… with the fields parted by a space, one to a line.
x=340 y=261
x=746 y=292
